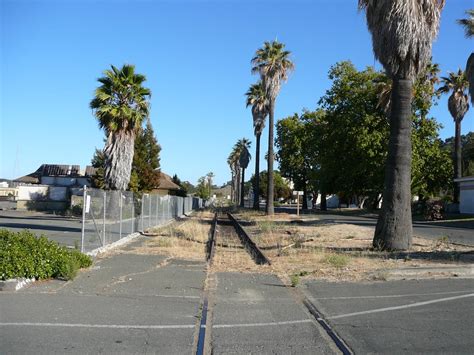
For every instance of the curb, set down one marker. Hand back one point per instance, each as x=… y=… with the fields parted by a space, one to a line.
x=427 y=272
x=15 y=284
x=113 y=245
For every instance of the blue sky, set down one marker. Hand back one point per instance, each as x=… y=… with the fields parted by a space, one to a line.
x=196 y=57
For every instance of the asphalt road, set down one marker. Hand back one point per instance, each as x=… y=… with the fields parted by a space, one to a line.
x=139 y=303
x=412 y=317
x=127 y=303
x=65 y=231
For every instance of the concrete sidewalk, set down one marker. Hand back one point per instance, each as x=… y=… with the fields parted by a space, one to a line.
x=126 y=303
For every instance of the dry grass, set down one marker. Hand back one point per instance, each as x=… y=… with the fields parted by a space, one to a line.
x=309 y=248
x=182 y=240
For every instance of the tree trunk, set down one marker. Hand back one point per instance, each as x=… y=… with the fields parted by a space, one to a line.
x=394 y=226
x=242 y=194
x=305 y=197
x=237 y=187
x=323 y=204
x=118 y=153
x=256 y=191
x=457 y=160
x=270 y=186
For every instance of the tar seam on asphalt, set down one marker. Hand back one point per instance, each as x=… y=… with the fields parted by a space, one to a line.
x=211 y=244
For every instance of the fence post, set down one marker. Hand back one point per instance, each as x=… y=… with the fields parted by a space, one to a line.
x=133 y=213
x=141 y=216
x=84 y=201
x=157 y=208
x=103 y=223
x=149 y=211
x=120 y=204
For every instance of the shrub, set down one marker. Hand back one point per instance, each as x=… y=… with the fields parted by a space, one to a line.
x=22 y=254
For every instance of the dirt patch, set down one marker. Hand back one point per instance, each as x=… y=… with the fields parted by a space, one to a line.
x=307 y=247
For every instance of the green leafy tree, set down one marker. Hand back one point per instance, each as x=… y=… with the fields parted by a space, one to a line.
x=467 y=144
x=353 y=133
x=458 y=105
x=146 y=161
x=98 y=162
x=404 y=54
x=120 y=105
x=183 y=189
x=293 y=141
x=281 y=188
x=273 y=64
x=257 y=99
x=202 y=188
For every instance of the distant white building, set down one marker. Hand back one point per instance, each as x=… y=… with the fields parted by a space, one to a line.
x=466 y=200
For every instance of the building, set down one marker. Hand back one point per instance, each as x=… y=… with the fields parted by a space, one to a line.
x=166 y=186
x=466 y=200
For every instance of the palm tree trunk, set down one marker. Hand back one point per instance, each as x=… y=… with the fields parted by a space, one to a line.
x=237 y=187
x=270 y=209
x=394 y=226
x=242 y=188
x=457 y=159
x=256 y=190
x=118 y=153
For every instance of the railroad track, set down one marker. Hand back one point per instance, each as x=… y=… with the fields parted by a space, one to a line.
x=226 y=221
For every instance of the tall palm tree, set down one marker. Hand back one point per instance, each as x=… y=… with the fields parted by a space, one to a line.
x=273 y=64
x=402 y=34
x=257 y=99
x=234 y=165
x=468 y=25
x=458 y=104
x=120 y=105
x=210 y=175
x=242 y=147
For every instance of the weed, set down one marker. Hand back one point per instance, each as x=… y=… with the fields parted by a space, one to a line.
x=295 y=280
x=336 y=260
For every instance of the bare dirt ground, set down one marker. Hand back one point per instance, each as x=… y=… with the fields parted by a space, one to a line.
x=309 y=248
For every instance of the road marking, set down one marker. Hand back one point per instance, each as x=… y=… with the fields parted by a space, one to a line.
x=417 y=304
x=392 y=296
x=244 y=325
x=170 y=326
x=107 y=326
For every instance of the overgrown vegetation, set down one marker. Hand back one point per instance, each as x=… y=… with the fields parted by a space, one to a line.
x=22 y=254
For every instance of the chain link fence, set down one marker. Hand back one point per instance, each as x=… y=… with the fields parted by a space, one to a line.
x=108 y=216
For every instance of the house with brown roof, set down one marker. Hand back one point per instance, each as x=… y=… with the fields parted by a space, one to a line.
x=166 y=186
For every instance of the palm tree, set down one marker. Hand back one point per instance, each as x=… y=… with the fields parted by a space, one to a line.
x=402 y=34
x=273 y=64
x=242 y=147
x=233 y=161
x=458 y=104
x=120 y=105
x=257 y=99
x=468 y=25
x=210 y=175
